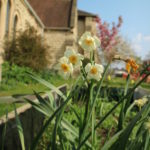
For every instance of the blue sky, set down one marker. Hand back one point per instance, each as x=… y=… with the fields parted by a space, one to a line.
x=136 y=19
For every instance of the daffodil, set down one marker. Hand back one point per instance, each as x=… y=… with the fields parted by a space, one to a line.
x=132 y=81
x=140 y=102
x=94 y=71
x=64 y=67
x=89 y=42
x=131 y=64
x=74 y=58
x=109 y=78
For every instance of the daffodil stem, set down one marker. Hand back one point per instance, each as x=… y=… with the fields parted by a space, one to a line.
x=123 y=111
x=93 y=100
x=92 y=57
x=113 y=108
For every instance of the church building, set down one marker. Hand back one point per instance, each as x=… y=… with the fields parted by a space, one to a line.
x=59 y=22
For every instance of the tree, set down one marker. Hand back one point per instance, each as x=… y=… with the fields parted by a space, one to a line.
x=124 y=48
x=108 y=35
x=148 y=56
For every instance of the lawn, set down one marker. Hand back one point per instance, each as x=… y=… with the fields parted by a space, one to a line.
x=4 y=108
x=21 y=88
x=57 y=81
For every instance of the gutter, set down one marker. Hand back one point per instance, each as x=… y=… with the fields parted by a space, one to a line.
x=57 y=28
x=34 y=13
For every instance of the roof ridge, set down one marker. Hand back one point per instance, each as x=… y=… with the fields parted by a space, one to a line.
x=85 y=13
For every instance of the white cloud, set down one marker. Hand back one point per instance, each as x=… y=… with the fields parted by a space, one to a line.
x=138 y=37
x=141 y=44
x=147 y=38
x=136 y=47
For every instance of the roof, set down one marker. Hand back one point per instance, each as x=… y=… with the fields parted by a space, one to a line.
x=53 y=13
x=82 y=13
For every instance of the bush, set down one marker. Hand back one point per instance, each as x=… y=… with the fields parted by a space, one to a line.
x=13 y=74
x=27 y=49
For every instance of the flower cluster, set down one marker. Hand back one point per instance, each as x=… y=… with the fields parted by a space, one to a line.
x=106 y=35
x=94 y=71
x=131 y=64
x=89 y=42
x=73 y=60
x=140 y=102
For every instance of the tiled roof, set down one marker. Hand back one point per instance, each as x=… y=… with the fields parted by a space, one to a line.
x=82 y=13
x=53 y=13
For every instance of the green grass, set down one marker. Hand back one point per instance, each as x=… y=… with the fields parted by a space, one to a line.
x=4 y=108
x=146 y=86
x=120 y=82
x=21 y=88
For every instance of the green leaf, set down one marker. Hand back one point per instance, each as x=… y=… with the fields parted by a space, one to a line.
x=20 y=129
x=47 y=84
x=110 y=111
x=4 y=131
x=147 y=142
x=111 y=141
x=124 y=137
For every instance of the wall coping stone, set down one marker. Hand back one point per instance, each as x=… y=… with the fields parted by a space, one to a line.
x=25 y=107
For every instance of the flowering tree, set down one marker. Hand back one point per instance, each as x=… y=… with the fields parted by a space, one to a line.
x=107 y=35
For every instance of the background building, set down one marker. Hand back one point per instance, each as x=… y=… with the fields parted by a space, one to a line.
x=58 y=21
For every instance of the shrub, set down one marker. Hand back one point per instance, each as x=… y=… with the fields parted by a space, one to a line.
x=13 y=74
x=27 y=49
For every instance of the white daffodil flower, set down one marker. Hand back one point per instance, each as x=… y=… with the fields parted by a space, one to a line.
x=94 y=71
x=141 y=102
x=89 y=42
x=65 y=68
x=97 y=41
x=74 y=57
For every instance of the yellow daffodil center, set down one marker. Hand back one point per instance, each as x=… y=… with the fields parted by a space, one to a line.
x=65 y=67
x=73 y=59
x=88 y=42
x=93 y=70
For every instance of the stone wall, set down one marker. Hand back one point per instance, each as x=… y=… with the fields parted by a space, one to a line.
x=58 y=41
x=24 y=16
x=87 y=24
x=31 y=121
x=81 y=30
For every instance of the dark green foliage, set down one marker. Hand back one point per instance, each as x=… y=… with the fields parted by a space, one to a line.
x=27 y=49
x=13 y=74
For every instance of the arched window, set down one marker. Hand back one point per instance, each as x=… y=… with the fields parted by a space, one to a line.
x=15 y=25
x=0 y=10
x=8 y=16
